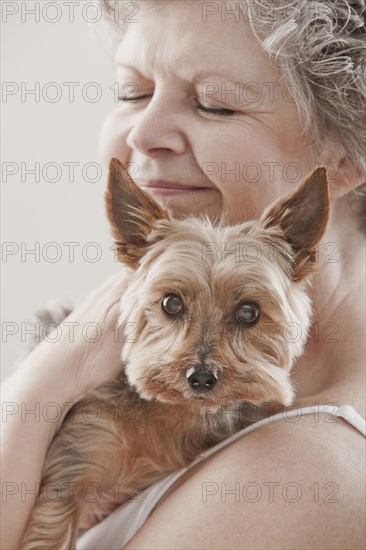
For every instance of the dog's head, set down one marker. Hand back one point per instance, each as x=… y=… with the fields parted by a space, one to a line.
x=213 y=312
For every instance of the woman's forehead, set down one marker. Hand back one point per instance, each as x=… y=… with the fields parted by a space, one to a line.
x=193 y=50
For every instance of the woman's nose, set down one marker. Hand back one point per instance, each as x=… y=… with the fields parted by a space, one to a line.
x=159 y=126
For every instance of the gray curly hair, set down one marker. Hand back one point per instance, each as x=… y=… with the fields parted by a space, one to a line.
x=321 y=47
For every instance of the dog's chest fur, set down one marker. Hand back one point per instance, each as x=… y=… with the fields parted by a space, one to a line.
x=149 y=439
x=129 y=443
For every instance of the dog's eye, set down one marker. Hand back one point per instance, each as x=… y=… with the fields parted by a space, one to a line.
x=172 y=305
x=248 y=313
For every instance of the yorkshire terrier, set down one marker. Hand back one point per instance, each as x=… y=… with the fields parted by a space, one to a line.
x=212 y=306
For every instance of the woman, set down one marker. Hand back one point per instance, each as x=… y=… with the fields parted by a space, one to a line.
x=238 y=101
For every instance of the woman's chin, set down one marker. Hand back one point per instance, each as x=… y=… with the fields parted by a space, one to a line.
x=192 y=204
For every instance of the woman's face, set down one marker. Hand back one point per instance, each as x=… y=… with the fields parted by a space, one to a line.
x=209 y=111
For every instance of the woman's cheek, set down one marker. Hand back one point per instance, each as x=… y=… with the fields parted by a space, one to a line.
x=112 y=140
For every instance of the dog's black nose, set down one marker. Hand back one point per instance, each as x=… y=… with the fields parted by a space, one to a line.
x=201 y=379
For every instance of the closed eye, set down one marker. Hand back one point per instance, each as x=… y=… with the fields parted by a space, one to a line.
x=132 y=99
x=221 y=112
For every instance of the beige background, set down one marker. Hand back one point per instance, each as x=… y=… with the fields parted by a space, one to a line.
x=47 y=132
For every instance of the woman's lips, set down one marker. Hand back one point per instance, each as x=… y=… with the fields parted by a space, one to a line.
x=161 y=187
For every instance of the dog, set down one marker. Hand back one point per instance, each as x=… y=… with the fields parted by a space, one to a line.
x=201 y=299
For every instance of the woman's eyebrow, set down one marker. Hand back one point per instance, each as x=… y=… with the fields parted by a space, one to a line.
x=197 y=77
x=224 y=76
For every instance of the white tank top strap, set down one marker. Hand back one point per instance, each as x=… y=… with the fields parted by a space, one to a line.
x=351 y=416
x=123 y=523
x=346 y=412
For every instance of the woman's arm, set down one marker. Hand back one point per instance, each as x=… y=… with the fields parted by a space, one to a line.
x=37 y=396
x=27 y=431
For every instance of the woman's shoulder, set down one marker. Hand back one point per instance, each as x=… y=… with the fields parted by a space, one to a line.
x=294 y=483
x=297 y=443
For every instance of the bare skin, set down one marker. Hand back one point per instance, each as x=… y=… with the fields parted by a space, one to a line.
x=166 y=137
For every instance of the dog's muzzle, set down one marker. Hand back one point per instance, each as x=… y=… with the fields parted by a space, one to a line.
x=201 y=379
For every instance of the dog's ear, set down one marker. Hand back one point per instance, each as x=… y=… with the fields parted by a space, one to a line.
x=132 y=213
x=302 y=218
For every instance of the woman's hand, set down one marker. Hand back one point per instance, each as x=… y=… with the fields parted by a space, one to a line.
x=85 y=349
x=51 y=378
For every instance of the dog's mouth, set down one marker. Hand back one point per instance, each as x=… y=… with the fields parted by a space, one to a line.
x=172 y=395
x=167 y=394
